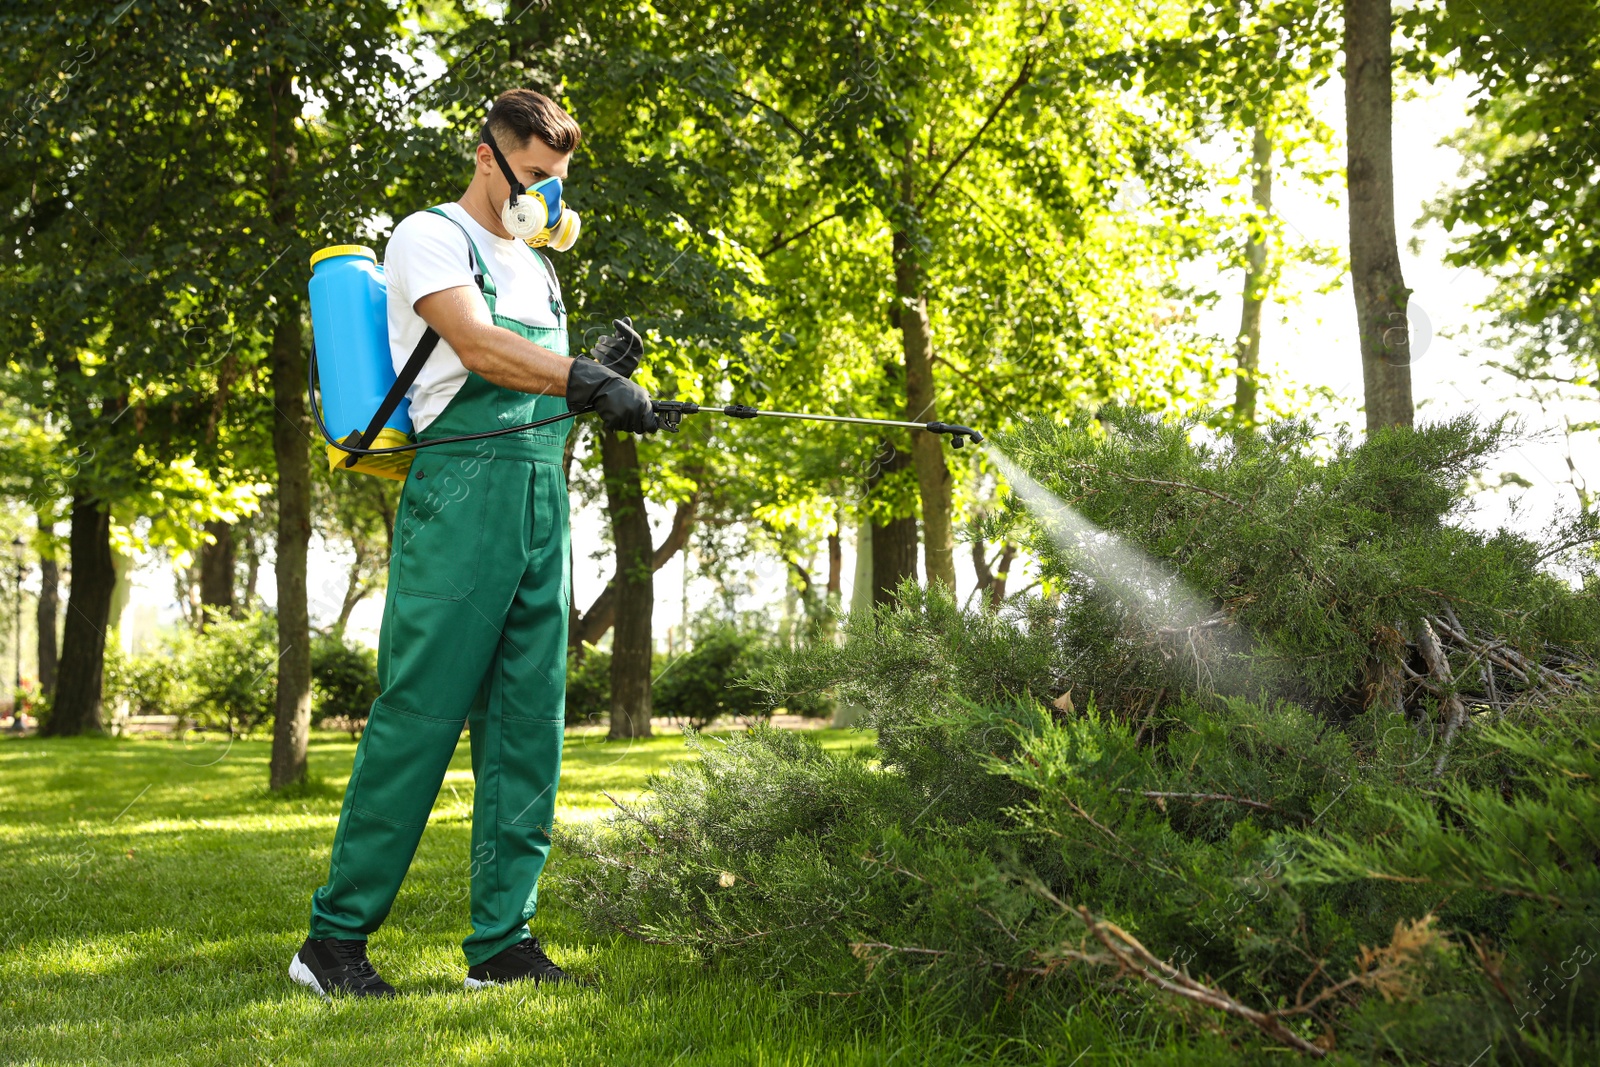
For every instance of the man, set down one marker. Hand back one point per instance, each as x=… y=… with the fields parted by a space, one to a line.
x=475 y=622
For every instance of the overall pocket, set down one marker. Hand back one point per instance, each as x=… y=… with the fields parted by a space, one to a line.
x=438 y=534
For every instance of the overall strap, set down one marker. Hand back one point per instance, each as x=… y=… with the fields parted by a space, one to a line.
x=480 y=273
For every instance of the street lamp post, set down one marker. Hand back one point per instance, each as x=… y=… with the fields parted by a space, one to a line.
x=19 y=550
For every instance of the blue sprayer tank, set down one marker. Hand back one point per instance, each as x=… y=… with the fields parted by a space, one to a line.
x=349 y=321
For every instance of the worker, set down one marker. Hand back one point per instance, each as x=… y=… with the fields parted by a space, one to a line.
x=475 y=622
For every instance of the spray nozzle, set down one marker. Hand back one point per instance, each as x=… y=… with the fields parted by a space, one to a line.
x=670 y=413
x=958 y=434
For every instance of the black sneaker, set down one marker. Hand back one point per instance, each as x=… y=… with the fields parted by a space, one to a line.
x=326 y=964
x=522 y=961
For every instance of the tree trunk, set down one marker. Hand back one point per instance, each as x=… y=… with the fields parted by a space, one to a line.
x=83 y=646
x=831 y=606
x=992 y=578
x=835 y=563
x=592 y=625
x=894 y=541
x=894 y=557
x=291 y=434
x=846 y=714
x=291 y=439
x=252 y=566
x=635 y=587
x=49 y=603
x=1255 y=280
x=1380 y=290
x=861 y=581
x=356 y=589
x=216 y=571
x=927 y=449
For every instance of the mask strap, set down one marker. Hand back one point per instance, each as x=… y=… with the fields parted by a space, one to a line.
x=517 y=188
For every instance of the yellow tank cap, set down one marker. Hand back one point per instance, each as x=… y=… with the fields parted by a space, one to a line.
x=342 y=250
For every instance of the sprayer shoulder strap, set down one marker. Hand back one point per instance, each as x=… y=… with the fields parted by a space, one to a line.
x=425 y=344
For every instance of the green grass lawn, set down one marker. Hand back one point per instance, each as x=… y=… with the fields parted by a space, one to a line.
x=153 y=893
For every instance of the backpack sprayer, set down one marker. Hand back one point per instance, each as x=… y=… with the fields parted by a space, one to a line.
x=365 y=400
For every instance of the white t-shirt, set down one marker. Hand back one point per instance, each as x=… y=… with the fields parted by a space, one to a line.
x=426 y=255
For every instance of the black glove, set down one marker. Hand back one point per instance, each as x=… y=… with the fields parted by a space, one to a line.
x=621 y=404
x=622 y=350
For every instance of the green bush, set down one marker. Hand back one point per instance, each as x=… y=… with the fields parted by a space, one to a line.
x=1070 y=802
x=224 y=677
x=707 y=682
x=810 y=704
x=1284 y=561
x=231 y=671
x=344 y=680
x=588 y=686
x=152 y=684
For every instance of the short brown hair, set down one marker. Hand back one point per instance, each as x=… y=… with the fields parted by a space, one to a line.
x=519 y=115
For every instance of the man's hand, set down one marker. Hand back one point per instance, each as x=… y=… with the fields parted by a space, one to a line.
x=620 y=351
x=621 y=404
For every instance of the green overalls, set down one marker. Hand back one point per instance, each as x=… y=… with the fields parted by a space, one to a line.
x=475 y=630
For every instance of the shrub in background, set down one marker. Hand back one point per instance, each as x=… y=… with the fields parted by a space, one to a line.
x=707 y=682
x=224 y=677
x=344 y=681
x=156 y=683
x=588 y=686
x=231 y=671
x=220 y=678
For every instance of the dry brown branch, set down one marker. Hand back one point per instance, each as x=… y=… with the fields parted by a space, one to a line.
x=1530 y=673
x=1090 y=819
x=1161 y=483
x=1201 y=798
x=1392 y=970
x=1455 y=713
x=1134 y=959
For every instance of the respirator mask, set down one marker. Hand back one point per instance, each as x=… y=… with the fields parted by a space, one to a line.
x=537 y=214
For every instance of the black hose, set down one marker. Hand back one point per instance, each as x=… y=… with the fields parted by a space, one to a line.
x=671 y=413
x=354 y=451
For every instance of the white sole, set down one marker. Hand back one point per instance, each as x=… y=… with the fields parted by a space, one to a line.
x=478 y=983
x=302 y=974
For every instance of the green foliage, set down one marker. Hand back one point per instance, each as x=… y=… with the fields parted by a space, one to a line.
x=223 y=676
x=151 y=684
x=1248 y=844
x=1527 y=212
x=1514 y=854
x=230 y=672
x=344 y=679
x=588 y=686
x=1257 y=561
x=1028 y=811
x=220 y=678
x=707 y=682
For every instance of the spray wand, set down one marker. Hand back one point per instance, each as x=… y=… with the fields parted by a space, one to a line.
x=671 y=413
